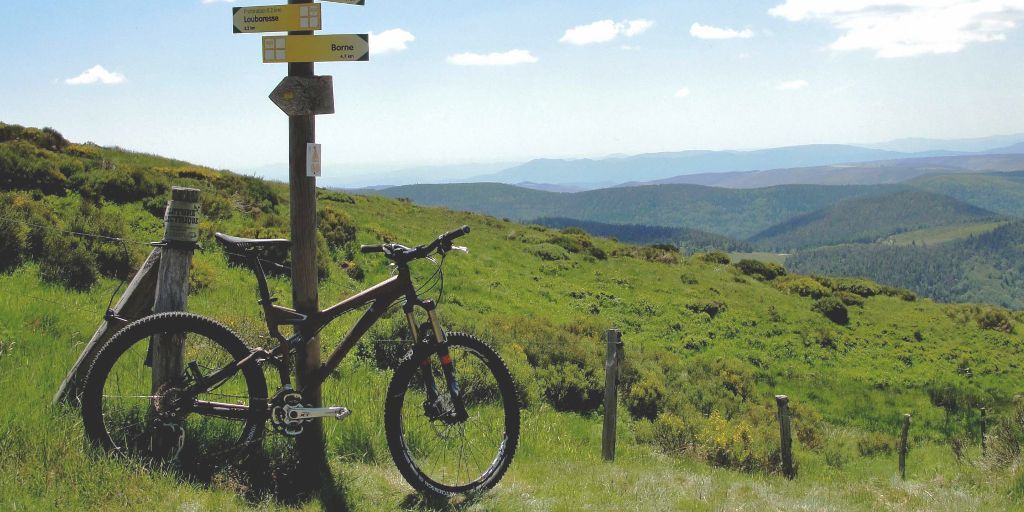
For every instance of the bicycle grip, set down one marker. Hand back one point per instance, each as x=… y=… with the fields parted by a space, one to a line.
x=455 y=233
x=365 y=249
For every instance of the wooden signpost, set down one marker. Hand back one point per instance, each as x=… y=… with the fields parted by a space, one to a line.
x=303 y=96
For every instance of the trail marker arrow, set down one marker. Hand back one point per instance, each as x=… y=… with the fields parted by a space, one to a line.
x=325 y=48
x=304 y=96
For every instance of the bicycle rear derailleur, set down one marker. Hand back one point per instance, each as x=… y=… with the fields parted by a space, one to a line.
x=288 y=414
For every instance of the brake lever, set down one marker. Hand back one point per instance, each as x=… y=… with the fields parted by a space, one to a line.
x=460 y=248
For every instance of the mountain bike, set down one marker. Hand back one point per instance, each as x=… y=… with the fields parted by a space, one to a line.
x=451 y=415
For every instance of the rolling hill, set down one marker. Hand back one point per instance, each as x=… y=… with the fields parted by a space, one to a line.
x=736 y=213
x=689 y=240
x=999 y=192
x=864 y=173
x=654 y=166
x=868 y=219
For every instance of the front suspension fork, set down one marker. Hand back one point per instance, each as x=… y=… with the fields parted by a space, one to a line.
x=458 y=412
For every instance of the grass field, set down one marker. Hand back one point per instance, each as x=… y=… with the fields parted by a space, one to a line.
x=941 y=234
x=767 y=257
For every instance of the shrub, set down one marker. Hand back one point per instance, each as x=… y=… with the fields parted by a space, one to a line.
x=25 y=167
x=876 y=443
x=67 y=261
x=13 y=241
x=861 y=287
x=122 y=186
x=715 y=257
x=712 y=308
x=676 y=434
x=570 y=388
x=850 y=299
x=353 y=270
x=760 y=269
x=654 y=253
x=337 y=227
x=802 y=286
x=994 y=319
x=747 y=443
x=548 y=252
x=644 y=398
x=200 y=276
x=833 y=309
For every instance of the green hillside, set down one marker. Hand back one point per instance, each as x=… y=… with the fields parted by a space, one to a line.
x=731 y=212
x=708 y=345
x=941 y=234
x=868 y=219
x=999 y=192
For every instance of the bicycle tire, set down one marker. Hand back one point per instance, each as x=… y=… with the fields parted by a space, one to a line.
x=129 y=344
x=471 y=357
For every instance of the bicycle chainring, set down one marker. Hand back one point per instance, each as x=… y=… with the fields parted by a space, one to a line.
x=279 y=419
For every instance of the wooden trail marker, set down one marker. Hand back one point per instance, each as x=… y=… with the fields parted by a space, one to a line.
x=276 y=18
x=787 y=436
x=304 y=96
x=612 y=369
x=135 y=302
x=904 y=446
x=320 y=48
x=181 y=231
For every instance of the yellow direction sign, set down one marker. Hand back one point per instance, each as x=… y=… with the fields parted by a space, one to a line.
x=276 y=18
x=326 y=48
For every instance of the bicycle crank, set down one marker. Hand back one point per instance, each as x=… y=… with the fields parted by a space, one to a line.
x=303 y=413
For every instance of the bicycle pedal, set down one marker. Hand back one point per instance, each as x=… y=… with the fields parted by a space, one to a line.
x=342 y=413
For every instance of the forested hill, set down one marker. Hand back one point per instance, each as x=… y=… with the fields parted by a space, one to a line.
x=734 y=213
x=868 y=219
x=1001 y=192
x=689 y=240
x=985 y=268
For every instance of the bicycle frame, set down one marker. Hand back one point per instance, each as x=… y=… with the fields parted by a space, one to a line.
x=379 y=296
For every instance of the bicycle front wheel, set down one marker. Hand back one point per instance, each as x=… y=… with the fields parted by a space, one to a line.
x=125 y=414
x=435 y=453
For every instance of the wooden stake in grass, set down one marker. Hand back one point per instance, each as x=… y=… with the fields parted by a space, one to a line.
x=612 y=364
x=787 y=436
x=904 y=448
x=181 y=232
x=984 y=442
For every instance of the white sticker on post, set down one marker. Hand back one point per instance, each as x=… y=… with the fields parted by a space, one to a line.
x=313 y=160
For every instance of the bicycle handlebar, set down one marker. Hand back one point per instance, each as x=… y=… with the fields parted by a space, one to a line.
x=402 y=254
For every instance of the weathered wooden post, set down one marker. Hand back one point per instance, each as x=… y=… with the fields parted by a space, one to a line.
x=904 y=447
x=786 y=436
x=181 y=232
x=612 y=369
x=984 y=441
x=305 y=300
x=137 y=301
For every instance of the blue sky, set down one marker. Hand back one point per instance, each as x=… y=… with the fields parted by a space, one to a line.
x=460 y=81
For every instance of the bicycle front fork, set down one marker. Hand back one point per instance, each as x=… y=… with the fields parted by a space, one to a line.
x=434 y=408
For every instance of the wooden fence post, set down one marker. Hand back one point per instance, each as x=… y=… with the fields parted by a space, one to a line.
x=181 y=231
x=904 y=448
x=984 y=441
x=786 y=436
x=136 y=302
x=612 y=369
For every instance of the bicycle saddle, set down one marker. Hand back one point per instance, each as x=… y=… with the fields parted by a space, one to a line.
x=234 y=242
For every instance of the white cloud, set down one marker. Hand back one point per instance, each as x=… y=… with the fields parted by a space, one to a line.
x=708 y=32
x=682 y=93
x=96 y=74
x=792 y=85
x=509 y=58
x=604 y=31
x=907 y=28
x=394 y=40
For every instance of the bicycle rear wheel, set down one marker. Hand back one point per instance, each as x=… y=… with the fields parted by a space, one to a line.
x=124 y=414
x=436 y=454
